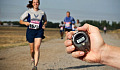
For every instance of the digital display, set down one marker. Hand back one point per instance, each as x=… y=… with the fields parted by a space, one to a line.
x=81 y=39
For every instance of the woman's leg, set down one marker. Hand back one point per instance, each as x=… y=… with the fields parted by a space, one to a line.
x=37 y=43
x=32 y=49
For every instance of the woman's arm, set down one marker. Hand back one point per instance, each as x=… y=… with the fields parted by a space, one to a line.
x=23 y=17
x=24 y=23
x=45 y=21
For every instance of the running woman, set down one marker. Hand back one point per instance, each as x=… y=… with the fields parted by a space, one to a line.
x=35 y=29
x=68 y=21
x=61 y=25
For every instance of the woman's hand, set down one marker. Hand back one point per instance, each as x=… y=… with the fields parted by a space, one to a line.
x=43 y=26
x=27 y=23
x=24 y=23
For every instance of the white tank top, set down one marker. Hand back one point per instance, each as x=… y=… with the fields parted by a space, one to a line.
x=34 y=17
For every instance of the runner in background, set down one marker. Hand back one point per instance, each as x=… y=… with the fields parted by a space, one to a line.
x=77 y=24
x=105 y=29
x=62 y=26
x=68 y=21
x=35 y=29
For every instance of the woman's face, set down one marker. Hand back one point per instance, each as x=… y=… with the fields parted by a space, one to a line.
x=35 y=4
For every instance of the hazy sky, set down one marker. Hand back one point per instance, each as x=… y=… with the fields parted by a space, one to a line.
x=11 y=10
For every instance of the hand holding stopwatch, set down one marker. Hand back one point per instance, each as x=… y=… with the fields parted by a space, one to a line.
x=81 y=41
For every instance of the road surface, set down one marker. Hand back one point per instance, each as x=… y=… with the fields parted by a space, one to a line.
x=53 y=57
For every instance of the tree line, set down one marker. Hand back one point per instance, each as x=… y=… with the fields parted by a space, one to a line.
x=100 y=24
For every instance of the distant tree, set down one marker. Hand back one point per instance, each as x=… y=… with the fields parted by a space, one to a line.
x=114 y=25
x=118 y=26
x=0 y=23
x=52 y=25
x=105 y=23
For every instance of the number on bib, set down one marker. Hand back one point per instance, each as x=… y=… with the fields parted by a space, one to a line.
x=34 y=26
x=67 y=24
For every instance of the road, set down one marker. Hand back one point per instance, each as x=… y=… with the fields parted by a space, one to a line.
x=52 y=57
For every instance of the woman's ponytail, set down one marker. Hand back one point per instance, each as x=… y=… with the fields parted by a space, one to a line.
x=30 y=4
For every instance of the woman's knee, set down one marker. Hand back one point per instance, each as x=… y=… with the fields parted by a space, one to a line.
x=37 y=47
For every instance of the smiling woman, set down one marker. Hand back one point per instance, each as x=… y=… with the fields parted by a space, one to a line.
x=35 y=30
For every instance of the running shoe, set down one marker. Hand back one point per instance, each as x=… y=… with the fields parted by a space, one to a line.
x=61 y=37
x=32 y=62
x=34 y=68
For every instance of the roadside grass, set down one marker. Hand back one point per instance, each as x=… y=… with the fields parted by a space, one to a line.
x=115 y=33
x=16 y=36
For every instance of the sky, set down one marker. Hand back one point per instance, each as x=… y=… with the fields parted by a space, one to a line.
x=11 y=10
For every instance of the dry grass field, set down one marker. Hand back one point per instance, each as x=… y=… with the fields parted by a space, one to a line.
x=115 y=33
x=16 y=36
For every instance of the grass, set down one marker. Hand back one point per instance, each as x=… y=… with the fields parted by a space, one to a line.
x=16 y=36
x=12 y=36
x=115 y=33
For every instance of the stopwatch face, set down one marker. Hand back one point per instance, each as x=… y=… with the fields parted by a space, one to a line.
x=81 y=41
x=79 y=38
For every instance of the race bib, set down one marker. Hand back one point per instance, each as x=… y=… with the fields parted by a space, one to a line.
x=61 y=28
x=67 y=24
x=34 y=25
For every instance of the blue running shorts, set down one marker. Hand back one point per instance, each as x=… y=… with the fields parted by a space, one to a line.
x=31 y=34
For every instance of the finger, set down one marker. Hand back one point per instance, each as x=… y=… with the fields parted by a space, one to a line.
x=89 y=28
x=70 y=49
x=78 y=54
x=68 y=43
x=70 y=34
x=85 y=27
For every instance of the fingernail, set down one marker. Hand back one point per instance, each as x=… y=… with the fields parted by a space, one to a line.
x=69 y=42
x=71 y=47
x=81 y=53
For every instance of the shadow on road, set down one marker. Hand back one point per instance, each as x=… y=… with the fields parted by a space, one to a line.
x=78 y=67
x=84 y=66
